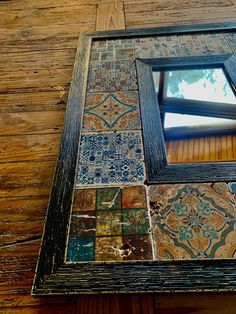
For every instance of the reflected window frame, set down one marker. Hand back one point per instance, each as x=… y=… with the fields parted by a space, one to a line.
x=158 y=169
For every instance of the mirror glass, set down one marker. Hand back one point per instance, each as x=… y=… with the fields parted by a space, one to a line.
x=198 y=115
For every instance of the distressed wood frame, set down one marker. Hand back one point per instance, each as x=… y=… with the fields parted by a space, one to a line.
x=158 y=169
x=53 y=276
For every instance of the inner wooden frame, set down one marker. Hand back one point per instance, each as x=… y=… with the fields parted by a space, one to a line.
x=53 y=275
x=158 y=169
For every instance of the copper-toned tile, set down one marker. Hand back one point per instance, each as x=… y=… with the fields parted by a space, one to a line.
x=134 y=197
x=84 y=200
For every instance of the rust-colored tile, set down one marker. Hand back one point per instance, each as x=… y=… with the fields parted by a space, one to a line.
x=134 y=197
x=84 y=200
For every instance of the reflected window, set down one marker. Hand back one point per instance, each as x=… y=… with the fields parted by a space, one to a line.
x=197 y=105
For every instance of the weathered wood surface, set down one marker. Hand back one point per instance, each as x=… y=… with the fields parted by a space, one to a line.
x=38 y=42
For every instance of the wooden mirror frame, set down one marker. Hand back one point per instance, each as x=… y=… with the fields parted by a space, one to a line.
x=158 y=169
x=53 y=275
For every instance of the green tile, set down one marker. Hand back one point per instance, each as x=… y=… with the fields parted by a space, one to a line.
x=135 y=221
x=109 y=198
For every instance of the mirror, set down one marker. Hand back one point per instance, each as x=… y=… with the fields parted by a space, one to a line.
x=198 y=113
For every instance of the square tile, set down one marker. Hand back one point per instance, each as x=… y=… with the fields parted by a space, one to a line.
x=109 y=249
x=108 y=198
x=134 y=197
x=80 y=249
x=112 y=76
x=137 y=248
x=135 y=221
x=83 y=224
x=109 y=223
x=111 y=158
x=111 y=111
x=84 y=200
x=191 y=220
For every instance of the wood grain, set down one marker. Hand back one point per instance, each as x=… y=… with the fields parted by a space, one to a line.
x=110 y=16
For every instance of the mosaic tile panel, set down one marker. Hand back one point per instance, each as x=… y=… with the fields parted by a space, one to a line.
x=111 y=50
x=193 y=221
x=111 y=111
x=110 y=158
x=112 y=232
x=183 y=45
x=112 y=76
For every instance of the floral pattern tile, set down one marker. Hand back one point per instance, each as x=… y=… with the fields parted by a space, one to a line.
x=192 y=221
x=110 y=158
x=134 y=197
x=111 y=232
x=84 y=200
x=112 y=76
x=111 y=111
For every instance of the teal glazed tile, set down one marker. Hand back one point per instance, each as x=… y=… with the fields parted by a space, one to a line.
x=110 y=158
x=112 y=76
x=111 y=111
x=83 y=224
x=108 y=199
x=135 y=222
x=232 y=187
x=137 y=248
x=80 y=249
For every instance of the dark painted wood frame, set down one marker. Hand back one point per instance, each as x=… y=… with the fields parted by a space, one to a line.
x=158 y=169
x=53 y=275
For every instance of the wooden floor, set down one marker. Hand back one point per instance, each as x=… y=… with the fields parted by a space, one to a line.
x=37 y=48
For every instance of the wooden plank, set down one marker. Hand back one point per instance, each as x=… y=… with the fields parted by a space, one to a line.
x=23 y=179
x=150 y=14
x=110 y=16
x=31 y=147
x=31 y=122
x=30 y=102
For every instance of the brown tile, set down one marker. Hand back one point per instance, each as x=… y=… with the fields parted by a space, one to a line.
x=134 y=197
x=137 y=248
x=108 y=249
x=83 y=224
x=84 y=200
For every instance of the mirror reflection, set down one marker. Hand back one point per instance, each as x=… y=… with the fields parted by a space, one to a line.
x=198 y=115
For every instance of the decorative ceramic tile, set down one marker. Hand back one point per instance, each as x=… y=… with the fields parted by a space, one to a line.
x=109 y=249
x=134 y=197
x=192 y=221
x=112 y=76
x=110 y=158
x=232 y=187
x=183 y=45
x=80 y=249
x=83 y=224
x=135 y=221
x=112 y=232
x=84 y=200
x=108 y=199
x=137 y=248
x=110 y=50
x=111 y=111
x=109 y=223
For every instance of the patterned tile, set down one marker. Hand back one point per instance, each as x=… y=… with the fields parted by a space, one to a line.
x=80 y=249
x=137 y=248
x=109 y=249
x=110 y=50
x=135 y=221
x=134 y=197
x=112 y=76
x=109 y=223
x=192 y=220
x=84 y=200
x=83 y=224
x=109 y=198
x=111 y=158
x=183 y=45
x=108 y=111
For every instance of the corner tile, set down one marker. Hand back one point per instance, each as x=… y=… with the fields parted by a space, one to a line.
x=138 y=248
x=80 y=249
x=134 y=197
